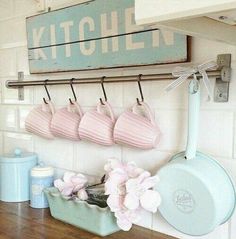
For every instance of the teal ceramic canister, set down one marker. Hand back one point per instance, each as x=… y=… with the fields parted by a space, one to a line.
x=41 y=177
x=15 y=175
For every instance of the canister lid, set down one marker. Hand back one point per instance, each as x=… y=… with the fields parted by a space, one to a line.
x=42 y=171
x=18 y=157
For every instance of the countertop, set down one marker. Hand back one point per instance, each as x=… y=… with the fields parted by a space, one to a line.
x=18 y=220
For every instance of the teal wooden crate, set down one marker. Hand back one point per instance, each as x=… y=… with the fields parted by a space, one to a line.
x=100 y=221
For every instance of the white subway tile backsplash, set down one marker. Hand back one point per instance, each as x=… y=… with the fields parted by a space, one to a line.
x=59 y=172
x=12 y=31
x=1 y=142
x=232 y=227
x=8 y=118
x=215 y=133
x=173 y=125
x=90 y=158
x=229 y=165
x=58 y=153
x=39 y=93
x=234 y=130
x=1 y=93
x=22 y=63
x=150 y=160
x=21 y=9
x=205 y=50
x=155 y=95
x=10 y=96
x=23 y=111
x=8 y=62
x=6 y=9
x=59 y=95
x=11 y=141
x=88 y=95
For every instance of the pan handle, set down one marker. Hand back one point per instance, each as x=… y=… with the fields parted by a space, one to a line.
x=193 y=118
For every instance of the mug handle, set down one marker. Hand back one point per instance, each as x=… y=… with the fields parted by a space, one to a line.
x=51 y=106
x=78 y=108
x=108 y=106
x=147 y=110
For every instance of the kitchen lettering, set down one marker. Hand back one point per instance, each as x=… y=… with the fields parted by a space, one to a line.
x=107 y=25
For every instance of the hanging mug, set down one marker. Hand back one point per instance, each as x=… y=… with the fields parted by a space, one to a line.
x=65 y=122
x=97 y=125
x=136 y=130
x=39 y=119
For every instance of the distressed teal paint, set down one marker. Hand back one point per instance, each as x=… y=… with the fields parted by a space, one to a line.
x=78 y=61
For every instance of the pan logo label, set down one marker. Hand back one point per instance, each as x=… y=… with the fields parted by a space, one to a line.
x=184 y=201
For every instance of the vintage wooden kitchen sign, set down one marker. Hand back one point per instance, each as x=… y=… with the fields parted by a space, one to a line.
x=98 y=34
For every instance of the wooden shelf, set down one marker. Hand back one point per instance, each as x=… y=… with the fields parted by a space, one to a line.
x=211 y=19
x=203 y=27
x=18 y=220
x=150 y=11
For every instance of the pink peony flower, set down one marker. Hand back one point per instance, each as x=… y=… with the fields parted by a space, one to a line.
x=115 y=202
x=115 y=183
x=82 y=194
x=126 y=218
x=139 y=193
x=71 y=183
x=130 y=191
x=129 y=168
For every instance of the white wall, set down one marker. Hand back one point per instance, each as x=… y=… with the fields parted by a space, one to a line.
x=217 y=127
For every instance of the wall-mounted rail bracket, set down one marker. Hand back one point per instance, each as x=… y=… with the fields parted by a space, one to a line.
x=221 y=92
x=21 y=89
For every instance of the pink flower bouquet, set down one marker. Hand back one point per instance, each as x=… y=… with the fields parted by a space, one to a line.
x=129 y=191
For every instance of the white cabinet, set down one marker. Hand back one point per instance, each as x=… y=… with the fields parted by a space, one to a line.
x=150 y=11
x=213 y=19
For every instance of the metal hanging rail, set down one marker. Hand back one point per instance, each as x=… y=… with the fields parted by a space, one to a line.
x=222 y=75
x=108 y=79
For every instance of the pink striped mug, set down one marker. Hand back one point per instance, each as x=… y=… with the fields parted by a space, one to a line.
x=39 y=119
x=97 y=125
x=136 y=130
x=65 y=122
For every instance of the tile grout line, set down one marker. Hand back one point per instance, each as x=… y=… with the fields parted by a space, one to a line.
x=234 y=129
x=21 y=132
x=233 y=152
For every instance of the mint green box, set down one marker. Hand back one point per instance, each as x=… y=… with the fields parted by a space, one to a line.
x=97 y=220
